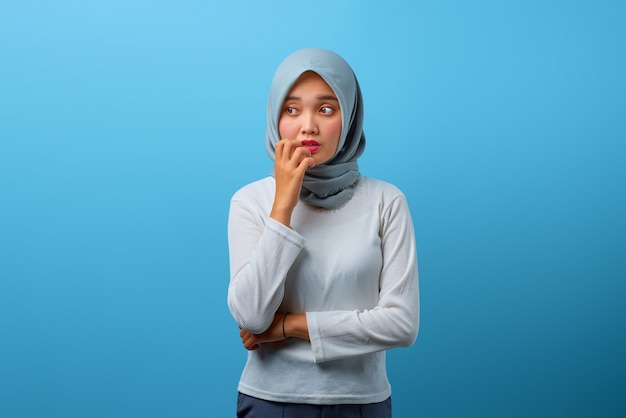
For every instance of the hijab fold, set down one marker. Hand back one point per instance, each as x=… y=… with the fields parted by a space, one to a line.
x=331 y=184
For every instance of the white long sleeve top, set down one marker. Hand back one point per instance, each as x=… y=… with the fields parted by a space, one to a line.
x=352 y=270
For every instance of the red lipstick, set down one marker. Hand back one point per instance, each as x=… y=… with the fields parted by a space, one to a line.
x=311 y=145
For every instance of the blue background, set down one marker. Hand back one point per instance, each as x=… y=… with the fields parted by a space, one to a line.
x=125 y=126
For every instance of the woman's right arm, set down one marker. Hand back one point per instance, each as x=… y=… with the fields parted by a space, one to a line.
x=263 y=249
x=261 y=252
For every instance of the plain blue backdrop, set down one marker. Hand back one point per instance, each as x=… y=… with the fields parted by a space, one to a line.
x=125 y=127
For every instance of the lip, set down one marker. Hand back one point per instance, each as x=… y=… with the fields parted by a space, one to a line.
x=311 y=145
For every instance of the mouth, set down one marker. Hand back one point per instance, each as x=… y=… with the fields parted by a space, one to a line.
x=311 y=145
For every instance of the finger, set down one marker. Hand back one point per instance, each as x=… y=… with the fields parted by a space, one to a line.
x=250 y=344
x=284 y=149
x=302 y=155
x=306 y=163
x=246 y=336
x=245 y=340
x=278 y=150
x=309 y=161
x=291 y=149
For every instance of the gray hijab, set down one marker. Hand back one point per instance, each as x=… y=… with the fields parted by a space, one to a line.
x=331 y=184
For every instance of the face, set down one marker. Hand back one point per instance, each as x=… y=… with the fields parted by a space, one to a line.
x=311 y=115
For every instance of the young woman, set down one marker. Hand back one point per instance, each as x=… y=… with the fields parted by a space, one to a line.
x=323 y=260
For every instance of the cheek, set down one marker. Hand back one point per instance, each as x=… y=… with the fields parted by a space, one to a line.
x=334 y=129
x=286 y=129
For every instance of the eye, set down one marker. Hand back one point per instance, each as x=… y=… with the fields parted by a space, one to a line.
x=327 y=110
x=290 y=110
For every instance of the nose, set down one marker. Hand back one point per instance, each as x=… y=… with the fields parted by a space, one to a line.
x=309 y=124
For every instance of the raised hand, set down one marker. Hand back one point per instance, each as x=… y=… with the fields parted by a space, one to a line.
x=292 y=161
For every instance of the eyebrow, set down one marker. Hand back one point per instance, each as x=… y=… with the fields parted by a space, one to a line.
x=321 y=98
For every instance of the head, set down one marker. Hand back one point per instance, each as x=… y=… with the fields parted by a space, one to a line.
x=311 y=114
x=315 y=96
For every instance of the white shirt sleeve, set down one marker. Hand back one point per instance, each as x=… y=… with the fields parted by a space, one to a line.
x=395 y=320
x=261 y=252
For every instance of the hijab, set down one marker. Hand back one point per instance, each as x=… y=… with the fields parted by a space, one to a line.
x=331 y=184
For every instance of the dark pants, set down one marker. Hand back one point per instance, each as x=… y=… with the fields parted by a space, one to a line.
x=249 y=407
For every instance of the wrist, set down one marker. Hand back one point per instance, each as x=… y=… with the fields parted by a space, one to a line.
x=281 y=215
x=295 y=326
x=283 y=326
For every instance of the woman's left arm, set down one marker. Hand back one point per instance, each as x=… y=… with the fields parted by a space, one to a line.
x=394 y=321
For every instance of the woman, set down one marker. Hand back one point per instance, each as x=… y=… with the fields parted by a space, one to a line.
x=323 y=260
